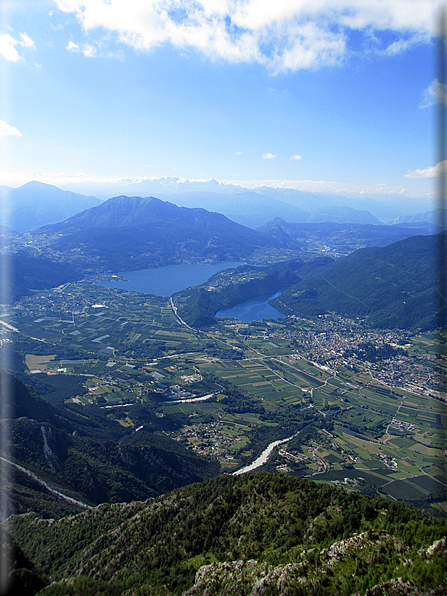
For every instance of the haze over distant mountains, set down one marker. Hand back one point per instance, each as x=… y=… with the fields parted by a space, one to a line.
x=36 y=204
x=345 y=238
x=254 y=210
x=247 y=208
x=386 y=207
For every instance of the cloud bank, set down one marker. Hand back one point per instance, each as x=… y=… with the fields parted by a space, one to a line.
x=440 y=169
x=285 y=35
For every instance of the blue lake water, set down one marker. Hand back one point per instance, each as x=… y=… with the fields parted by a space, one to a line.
x=255 y=309
x=165 y=281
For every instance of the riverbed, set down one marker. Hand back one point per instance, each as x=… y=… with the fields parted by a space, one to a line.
x=262 y=459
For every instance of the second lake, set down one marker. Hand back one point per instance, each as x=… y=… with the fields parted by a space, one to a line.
x=255 y=309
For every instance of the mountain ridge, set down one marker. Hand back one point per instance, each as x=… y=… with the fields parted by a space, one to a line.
x=250 y=534
x=135 y=233
x=404 y=272
x=36 y=204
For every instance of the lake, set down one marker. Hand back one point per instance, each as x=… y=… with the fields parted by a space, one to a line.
x=255 y=309
x=165 y=281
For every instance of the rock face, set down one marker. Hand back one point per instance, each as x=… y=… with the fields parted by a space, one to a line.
x=250 y=578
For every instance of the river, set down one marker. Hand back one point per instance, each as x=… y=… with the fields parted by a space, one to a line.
x=262 y=459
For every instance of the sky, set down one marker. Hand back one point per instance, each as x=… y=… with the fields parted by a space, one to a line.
x=322 y=95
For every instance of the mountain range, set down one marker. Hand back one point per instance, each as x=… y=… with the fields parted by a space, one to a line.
x=392 y=285
x=36 y=204
x=250 y=209
x=130 y=233
x=387 y=208
x=254 y=209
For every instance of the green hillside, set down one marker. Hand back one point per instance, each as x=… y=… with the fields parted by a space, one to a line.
x=81 y=457
x=395 y=286
x=30 y=273
x=198 y=305
x=236 y=535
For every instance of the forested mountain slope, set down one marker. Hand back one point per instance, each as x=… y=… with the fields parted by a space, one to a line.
x=253 y=534
x=82 y=457
x=132 y=233
x=399 y=285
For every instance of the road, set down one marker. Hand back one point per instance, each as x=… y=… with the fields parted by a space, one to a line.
x=45 y=485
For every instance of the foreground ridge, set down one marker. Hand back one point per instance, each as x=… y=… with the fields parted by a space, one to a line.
x=250 y=534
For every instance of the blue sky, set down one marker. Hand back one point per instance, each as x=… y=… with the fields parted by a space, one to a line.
x=323 y=95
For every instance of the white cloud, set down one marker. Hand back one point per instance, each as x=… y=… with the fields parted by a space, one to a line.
x=8 y=46
x=63 y=179
x=296 y=157
x=436 y=93
x=338 y=188
x=268 y=156
x=26 y=41
x=396 y=47
x=437 y=171
x=282 y=35
x=238 y=153
x=88 y=50
x=6 y=130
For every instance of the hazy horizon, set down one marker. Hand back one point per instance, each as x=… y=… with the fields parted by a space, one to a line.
x=329 y=97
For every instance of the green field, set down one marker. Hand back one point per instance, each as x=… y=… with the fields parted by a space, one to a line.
x=132 y=352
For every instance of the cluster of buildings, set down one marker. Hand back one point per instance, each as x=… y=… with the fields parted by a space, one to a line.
x=208 y=440
x=335 y=344
x=402 y=425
